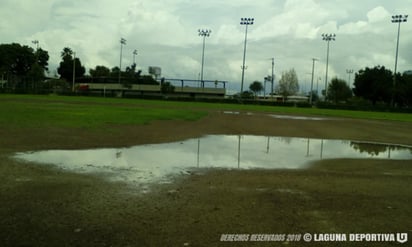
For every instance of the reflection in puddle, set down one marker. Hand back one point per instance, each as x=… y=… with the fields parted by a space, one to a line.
x=293 y=117
x=298 y=117
x=156 y=162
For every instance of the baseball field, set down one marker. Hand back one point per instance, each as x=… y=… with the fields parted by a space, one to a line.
x=42 y=205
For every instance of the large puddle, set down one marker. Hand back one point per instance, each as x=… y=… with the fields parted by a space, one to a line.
x=158 y=162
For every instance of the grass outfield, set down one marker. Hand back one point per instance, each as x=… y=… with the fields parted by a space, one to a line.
x=84 y=112
x=92 y=112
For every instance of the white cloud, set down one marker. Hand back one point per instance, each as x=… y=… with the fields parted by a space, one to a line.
x=378 y=14
x=165 y=34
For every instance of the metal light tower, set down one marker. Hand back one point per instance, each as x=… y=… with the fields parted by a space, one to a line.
x=122 y=42
x=134 y=56
x=349 y=71
x=327 y=38
x=203 y=33
x=246 y=22
x=397 y=19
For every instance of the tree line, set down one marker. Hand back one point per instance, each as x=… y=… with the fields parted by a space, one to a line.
x=374 y=86
x=22 y=69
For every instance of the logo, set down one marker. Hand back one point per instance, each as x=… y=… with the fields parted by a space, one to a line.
x=402 y=237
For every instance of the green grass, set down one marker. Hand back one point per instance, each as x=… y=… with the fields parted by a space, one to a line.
x=44 y=111
x=91 y=112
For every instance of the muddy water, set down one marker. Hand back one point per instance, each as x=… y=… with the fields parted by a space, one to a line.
x=157 y=162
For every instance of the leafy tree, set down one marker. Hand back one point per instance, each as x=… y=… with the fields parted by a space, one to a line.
x=374 y=84
x=244 y=95
x=42 y=58
x=403 y=90
x=21 y=66
x=166 y=87
x=114 y=72
x=130 y=72
x=315 y=96
x=66 y=65
x=16 y=60
x=288 y=83
x=338 y=90
x=100 y=71
x=147 y=79
x=256 y=87
x=67 y=53
x=35 y=74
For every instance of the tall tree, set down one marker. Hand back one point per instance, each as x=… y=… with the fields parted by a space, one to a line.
x=100 y=71
x=374 y=84
x=288 y=83
x=338 y=90
x=403 y=91
x=66 y=65
x=21 y=66
x=114 y=71
x=42 y=58
x=16 y=59
x=256 y=87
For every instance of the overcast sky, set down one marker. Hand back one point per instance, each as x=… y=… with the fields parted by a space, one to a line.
x=165 y=34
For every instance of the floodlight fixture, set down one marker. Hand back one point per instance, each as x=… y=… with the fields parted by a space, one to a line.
x=328 y=37
x=399 y=18
x=247 y=21
x=204 y=33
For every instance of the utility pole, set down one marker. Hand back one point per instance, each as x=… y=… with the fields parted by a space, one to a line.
x=311 y=83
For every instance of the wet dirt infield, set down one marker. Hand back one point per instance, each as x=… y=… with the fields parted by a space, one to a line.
x=46 y=206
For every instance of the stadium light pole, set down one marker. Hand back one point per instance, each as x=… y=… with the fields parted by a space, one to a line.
x=246 y=22
x=327 y=38
x=349 y=71
x=122 y=42
x=397 y=19
x=203 y=33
